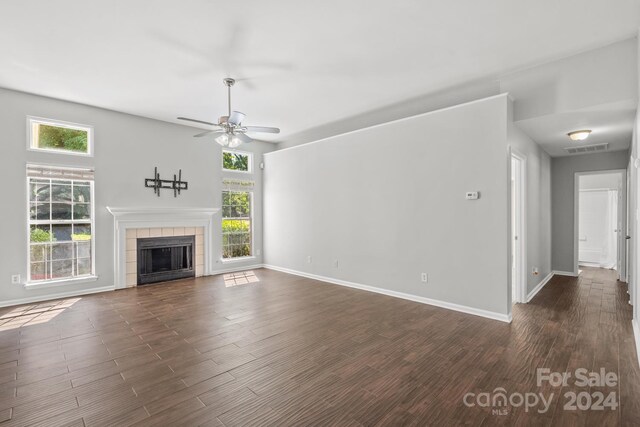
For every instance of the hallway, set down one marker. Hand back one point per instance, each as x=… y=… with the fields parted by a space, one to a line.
x=584 y=322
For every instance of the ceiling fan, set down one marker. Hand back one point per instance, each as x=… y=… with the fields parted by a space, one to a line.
x=231 y=131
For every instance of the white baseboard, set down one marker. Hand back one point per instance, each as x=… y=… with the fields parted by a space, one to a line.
x=636 y=335
x=565 y=273
x=539 y=286
x=590 y=264
x=59 y=295
x=442 y=304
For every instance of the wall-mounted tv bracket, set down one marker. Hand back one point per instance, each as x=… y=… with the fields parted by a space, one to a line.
x=177 y=184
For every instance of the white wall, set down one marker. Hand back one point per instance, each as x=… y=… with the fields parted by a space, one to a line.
x=388 y=203
x=127 y=148
x=538 y=203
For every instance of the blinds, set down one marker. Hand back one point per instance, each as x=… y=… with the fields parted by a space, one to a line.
x=237 y=184
x=56 y=172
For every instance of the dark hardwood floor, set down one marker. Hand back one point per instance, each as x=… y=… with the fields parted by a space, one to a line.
x=289 y=351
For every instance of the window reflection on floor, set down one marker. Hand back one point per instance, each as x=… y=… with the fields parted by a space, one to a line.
x=240 y=278
x=34 y=314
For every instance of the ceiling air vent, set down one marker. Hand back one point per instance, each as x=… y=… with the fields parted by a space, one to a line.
x=584 y=149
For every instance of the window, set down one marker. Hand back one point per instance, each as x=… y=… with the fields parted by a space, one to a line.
x=61 y=137
x=61 y=243
x=236 y=224
x=236 y=161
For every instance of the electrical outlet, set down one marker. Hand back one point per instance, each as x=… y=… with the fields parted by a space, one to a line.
x=309 y=259
x=15 y=279
x=535 y=271
x=335 y=263
x=258 y=251
x=424 y=277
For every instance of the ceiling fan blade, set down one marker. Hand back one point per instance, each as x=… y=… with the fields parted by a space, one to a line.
x=242 y=137
x=236 y=117
x=264 y=129
x=198 y=121
x=200 y=135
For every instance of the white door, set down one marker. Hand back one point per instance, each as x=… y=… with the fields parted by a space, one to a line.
x=517 y=230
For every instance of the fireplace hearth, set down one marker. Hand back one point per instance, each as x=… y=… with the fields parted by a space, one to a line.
x=165 y=258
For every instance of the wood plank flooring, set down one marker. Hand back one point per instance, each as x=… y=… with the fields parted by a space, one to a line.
x=290 y=351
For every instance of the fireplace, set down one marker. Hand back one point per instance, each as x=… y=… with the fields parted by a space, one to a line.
x=165 y=258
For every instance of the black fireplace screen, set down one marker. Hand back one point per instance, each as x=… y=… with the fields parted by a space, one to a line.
x=165 y=258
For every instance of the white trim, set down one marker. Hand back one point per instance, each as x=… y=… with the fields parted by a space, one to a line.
x=239 y=268
x=61 y=124
x=125 y=218
x=442 y=304
x=521 y=290
x=505 y=95
x=57 y=295
x=28 y=282
x=539 y=286
x=591 y=264
x=565 y=273
x=636 y=335
x=237 y=259
x=59 y=282
x=242 y=153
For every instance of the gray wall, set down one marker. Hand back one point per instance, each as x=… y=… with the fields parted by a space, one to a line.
x=538 y=204
x=127 y=148
x=387 y=202
x=563 y=170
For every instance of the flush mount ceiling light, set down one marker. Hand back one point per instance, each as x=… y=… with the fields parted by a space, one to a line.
x=579 y=135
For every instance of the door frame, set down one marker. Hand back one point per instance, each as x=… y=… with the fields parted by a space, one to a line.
x=521 y=209
x=622 y=220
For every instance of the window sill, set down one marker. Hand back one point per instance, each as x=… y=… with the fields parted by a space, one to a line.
x=62 y=282
x=239 y=259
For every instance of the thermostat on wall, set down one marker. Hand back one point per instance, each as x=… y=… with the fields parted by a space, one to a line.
x=472 y=195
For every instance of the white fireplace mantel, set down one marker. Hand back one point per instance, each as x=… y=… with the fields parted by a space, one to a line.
x=138 y=217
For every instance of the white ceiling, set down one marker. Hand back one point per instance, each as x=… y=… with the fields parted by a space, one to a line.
x=301 y=64
x=596 y=90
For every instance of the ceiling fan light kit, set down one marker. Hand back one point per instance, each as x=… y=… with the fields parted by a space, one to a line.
x=231 y=131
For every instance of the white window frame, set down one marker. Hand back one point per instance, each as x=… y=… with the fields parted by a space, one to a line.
x=53 y=282
x=240 y=258
x=243 y=153
x=31 y=120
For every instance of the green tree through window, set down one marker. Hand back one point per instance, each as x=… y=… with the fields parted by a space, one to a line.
x=236 y=224
x=53 y=137
x=235 y=161
x=61 y=136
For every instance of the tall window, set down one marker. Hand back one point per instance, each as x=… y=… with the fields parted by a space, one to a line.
x=60 y=223
x=57 y=136
x=236 y=161
x=236 y=224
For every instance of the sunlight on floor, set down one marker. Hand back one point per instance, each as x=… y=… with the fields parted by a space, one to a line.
x=240 y=278
x=34 y=314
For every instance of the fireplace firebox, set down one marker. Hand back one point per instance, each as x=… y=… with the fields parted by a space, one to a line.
x=165 y=258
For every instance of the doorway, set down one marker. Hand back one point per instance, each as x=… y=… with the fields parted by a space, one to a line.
x=601 y=222
x=518 y=228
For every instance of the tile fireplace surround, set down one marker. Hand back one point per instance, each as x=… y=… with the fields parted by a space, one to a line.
x=133 y=234
x=133 y=223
